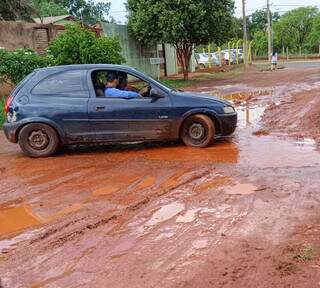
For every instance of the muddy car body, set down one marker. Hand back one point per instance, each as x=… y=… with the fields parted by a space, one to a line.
x=60 y=106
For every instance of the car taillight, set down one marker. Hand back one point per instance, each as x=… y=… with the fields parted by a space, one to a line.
x=7 y=104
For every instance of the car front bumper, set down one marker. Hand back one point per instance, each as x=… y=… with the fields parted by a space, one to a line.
x=228 y=123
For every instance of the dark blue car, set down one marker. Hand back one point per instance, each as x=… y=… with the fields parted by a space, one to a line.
x=66 y=105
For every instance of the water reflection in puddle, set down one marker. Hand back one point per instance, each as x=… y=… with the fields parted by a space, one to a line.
x=249 y=115
x=240 y=189
x=17 y=218
x=165 y=213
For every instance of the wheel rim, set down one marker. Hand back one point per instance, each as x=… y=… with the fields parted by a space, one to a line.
x=196 y=131
x=38 y=140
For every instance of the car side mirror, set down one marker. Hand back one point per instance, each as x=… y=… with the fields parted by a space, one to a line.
x=155 y=95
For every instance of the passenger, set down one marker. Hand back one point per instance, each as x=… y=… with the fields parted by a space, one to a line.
x=111 y=89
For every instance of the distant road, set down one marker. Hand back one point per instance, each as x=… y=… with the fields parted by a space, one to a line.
x=297 y=64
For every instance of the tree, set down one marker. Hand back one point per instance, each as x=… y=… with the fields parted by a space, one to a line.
x=182 y=23
x=313 y=40
x=88 y=11
x=258 y=21
x=13 y=10
x=260 y=42
x=45 y=8
x=79 y=45
x=295 y=26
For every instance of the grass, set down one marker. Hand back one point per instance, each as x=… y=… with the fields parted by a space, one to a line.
x=305 y=253
x=2 y=116
x=179 y=83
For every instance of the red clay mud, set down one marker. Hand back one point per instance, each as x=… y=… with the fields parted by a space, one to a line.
x=242 y=213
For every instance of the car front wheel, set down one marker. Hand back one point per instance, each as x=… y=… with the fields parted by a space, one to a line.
x=38 y=140
x=198 y=131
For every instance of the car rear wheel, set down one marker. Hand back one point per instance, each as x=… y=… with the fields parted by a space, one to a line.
x=198 y=131
x=38 y=140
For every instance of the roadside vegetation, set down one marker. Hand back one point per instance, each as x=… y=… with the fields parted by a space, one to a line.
x=305 y=253
x=297 y=30
x=77 y=45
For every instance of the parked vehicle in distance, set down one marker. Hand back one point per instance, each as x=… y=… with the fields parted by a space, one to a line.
x=203 y=59
x=65 y=105
x=227 y=57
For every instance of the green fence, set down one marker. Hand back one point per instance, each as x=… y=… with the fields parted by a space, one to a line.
x=136 y=55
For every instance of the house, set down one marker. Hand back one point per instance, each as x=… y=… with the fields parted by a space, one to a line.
x=56 y=20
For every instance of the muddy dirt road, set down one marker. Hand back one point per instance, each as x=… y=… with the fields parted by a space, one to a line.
x=243 y=213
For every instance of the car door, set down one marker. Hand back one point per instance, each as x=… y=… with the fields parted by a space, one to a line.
x=118 y=119
x=62 y=97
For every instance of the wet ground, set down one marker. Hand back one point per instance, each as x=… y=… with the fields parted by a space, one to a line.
x=242 y=213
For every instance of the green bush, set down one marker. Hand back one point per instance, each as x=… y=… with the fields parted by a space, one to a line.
x=79 y=45
x=15 y=65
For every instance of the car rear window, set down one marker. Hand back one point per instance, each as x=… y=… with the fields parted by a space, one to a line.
x=19 y=86
x=64 y=84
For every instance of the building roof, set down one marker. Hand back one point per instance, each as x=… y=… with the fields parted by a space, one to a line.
x=52 y=20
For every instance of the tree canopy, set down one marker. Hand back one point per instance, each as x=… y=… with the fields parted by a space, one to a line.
x=79 y=45
x=89 y=11
x=296 y=29
x=47 y=8
x=182 y=23
x=13 y=10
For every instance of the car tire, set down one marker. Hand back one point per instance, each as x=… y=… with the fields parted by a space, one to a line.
x=198 y=131
x=38 y=140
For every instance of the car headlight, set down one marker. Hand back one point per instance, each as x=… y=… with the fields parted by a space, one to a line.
x=228 y=109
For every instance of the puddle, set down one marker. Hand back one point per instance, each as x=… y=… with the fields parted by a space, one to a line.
x=306 y=142
x=221 y=151
x=106 y=190
x=250 y=115
x=273 y=152
x=16 y=219
x=200 y=244
x=239 y=96
x=188 y=217
x=165 y=213
x=211 y=184
x=146 y=183
x=71 y=209
x=240 y=189
x=7 y=244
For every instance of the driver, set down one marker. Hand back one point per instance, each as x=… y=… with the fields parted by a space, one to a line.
x=123 y=83
x=111 y=89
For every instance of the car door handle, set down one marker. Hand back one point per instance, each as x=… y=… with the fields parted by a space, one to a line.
x=100 y=108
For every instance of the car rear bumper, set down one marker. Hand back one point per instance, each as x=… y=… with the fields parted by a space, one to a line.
x=10 y=130
x=228 y=123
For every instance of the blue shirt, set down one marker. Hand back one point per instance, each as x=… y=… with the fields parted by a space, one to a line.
x=114 y=92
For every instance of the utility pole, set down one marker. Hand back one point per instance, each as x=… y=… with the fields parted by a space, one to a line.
x=269 y=31
x=245 y=36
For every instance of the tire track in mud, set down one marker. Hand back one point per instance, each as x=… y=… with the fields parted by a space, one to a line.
x=79 y=232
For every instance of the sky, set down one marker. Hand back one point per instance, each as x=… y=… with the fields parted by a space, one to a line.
x=118 y=10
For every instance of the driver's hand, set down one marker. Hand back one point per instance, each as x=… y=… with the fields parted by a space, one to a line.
x=144 y=90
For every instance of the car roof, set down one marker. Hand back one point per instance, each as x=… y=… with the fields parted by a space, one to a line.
x=88 y=67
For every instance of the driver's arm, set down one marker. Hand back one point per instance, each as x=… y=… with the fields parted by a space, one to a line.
x=113 y=92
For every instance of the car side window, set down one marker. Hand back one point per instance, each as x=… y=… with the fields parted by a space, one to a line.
x=64 y=84
x=124 y=82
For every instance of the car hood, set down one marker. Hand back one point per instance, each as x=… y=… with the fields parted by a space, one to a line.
x=205 y=99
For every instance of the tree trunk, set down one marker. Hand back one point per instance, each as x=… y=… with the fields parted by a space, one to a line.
x=184 y=53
